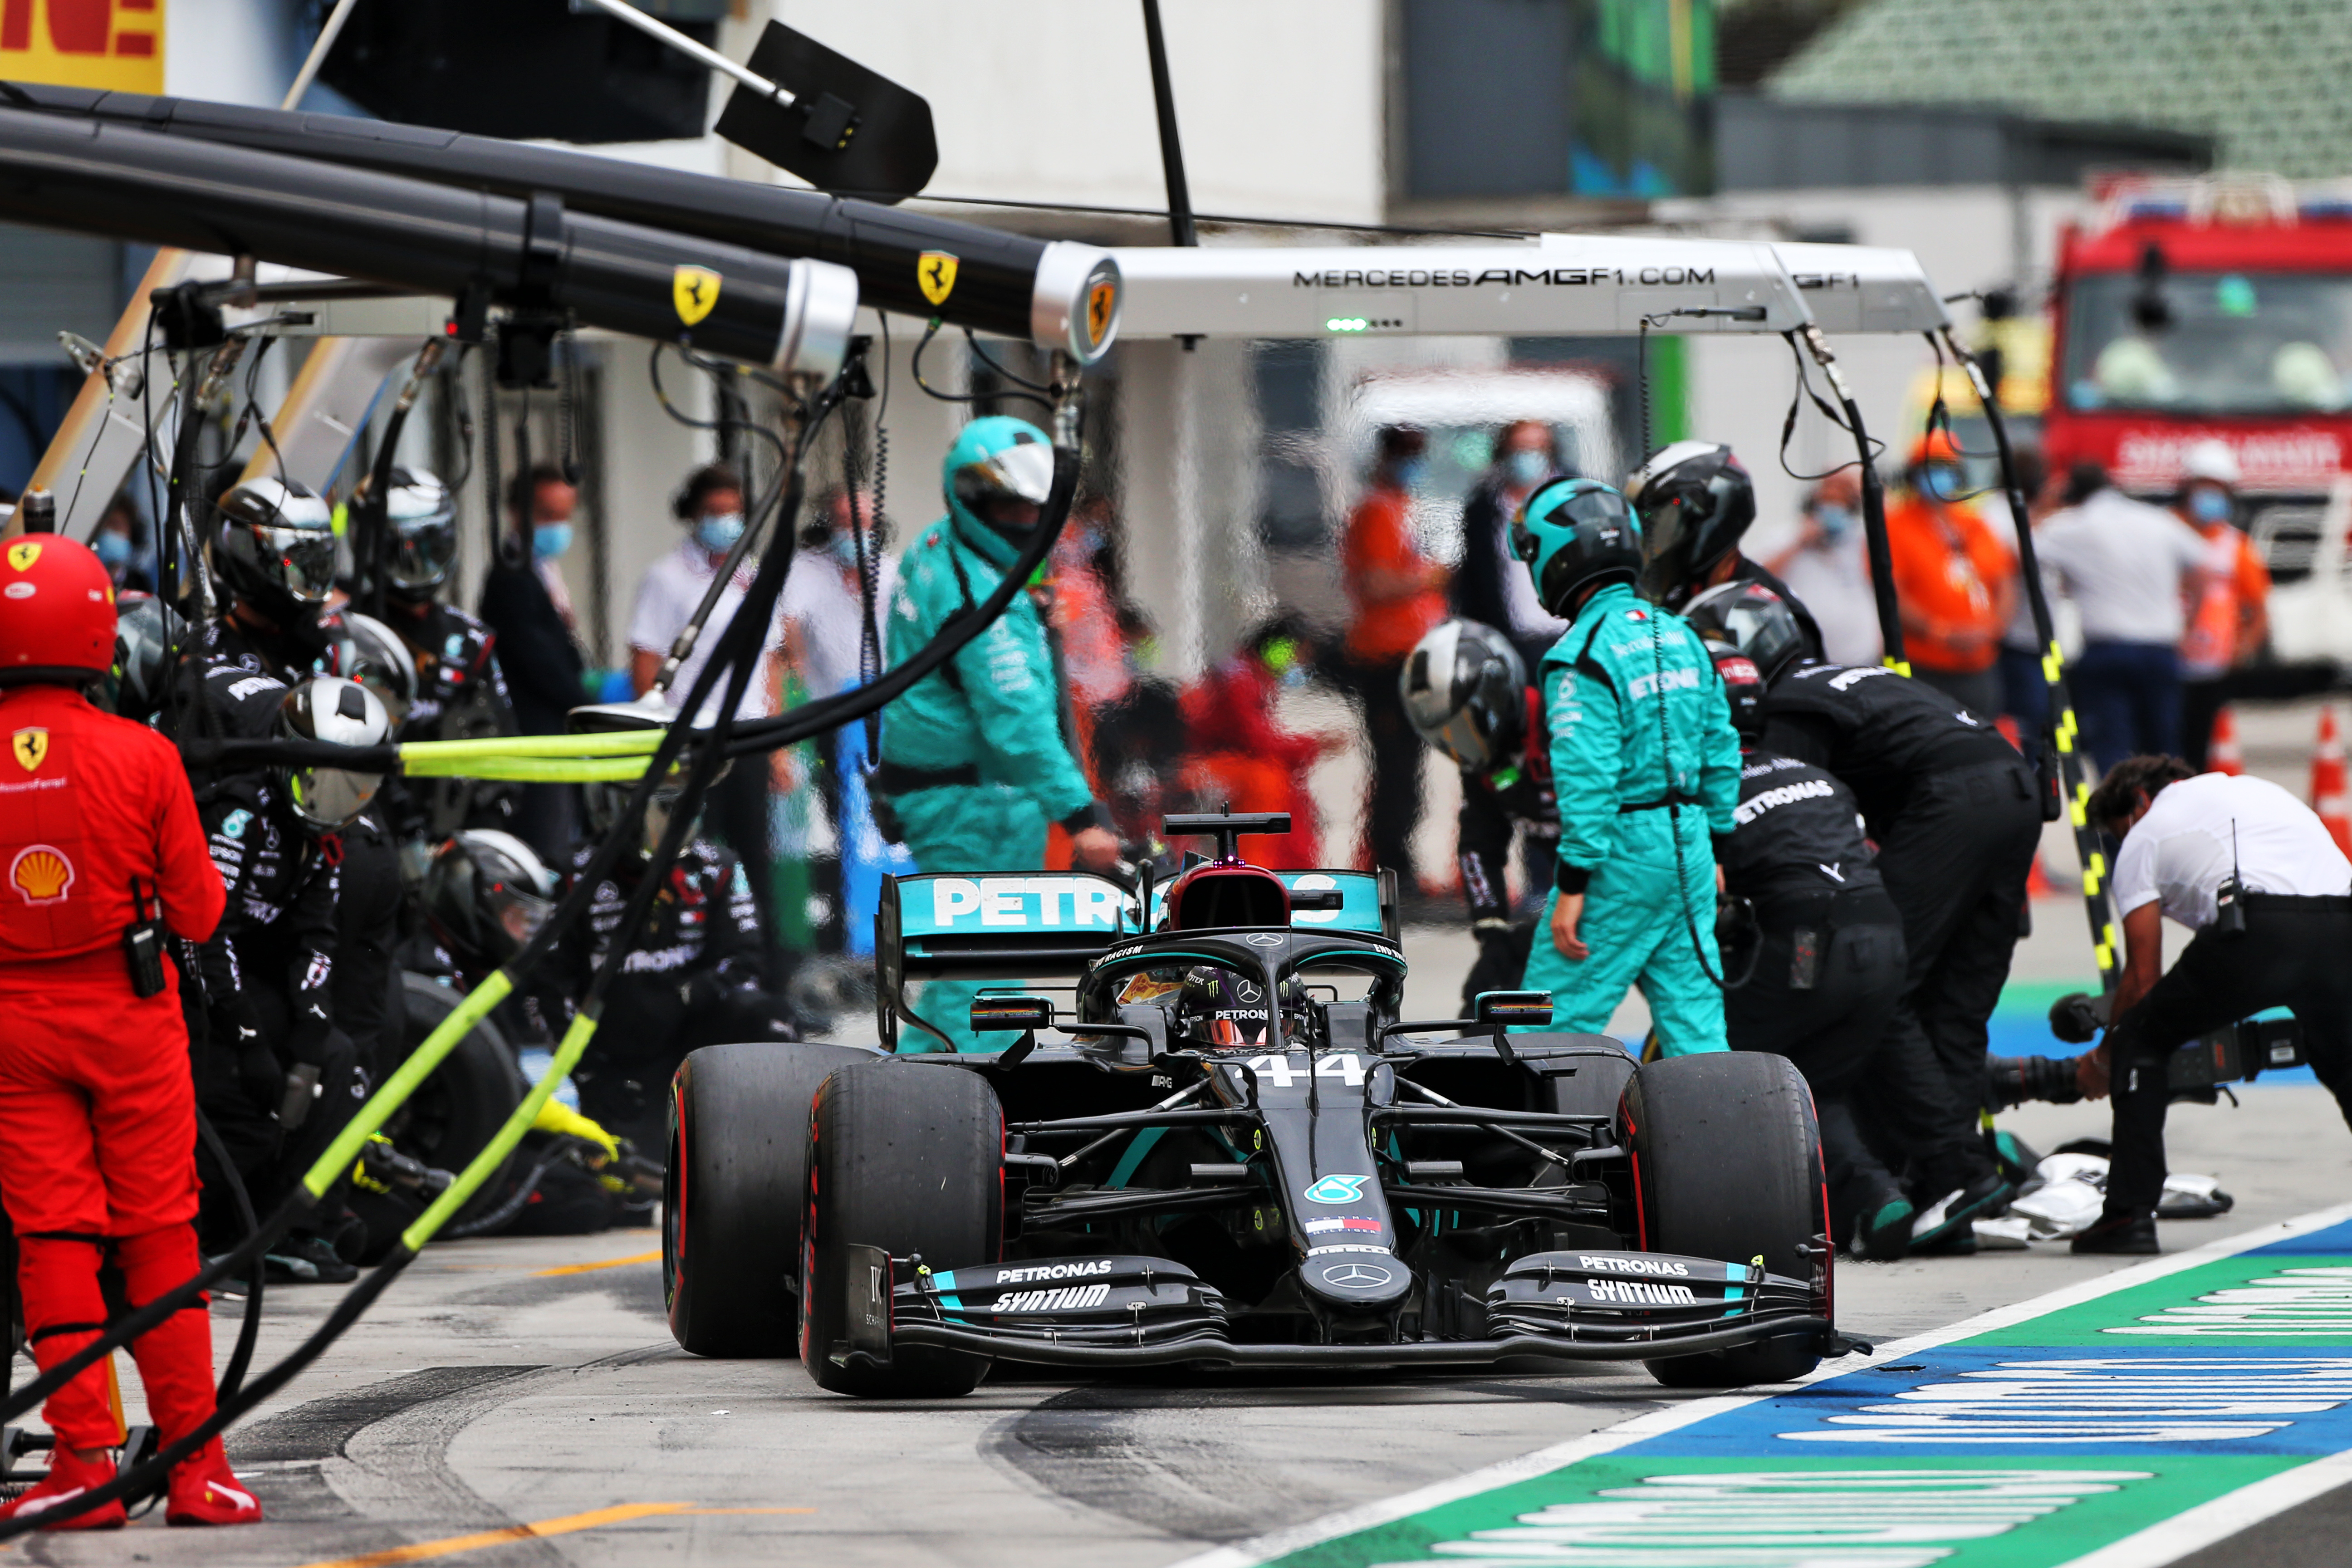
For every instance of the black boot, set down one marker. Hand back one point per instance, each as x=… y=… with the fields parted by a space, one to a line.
x=2130 y=1233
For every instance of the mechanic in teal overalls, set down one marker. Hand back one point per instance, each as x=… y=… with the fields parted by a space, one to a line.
x=1646 y=765
x=976 y=757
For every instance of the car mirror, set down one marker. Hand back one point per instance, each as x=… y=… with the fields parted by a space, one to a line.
x=1504 y=1009
x=1011 y=1015
x=1310 y=898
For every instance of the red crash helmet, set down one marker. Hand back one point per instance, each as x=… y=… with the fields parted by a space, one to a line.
x=57 y=612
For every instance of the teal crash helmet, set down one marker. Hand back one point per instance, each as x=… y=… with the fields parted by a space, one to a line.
x=997 y=475
x=1576 y=534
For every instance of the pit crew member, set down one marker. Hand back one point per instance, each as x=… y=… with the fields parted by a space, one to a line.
x=2282 y=942
x=104 y=856
x=1466 y=692
x=1951 y=807
x=976 y=758
x=1646 y=768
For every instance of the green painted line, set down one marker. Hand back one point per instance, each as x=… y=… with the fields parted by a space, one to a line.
x=2117 y=1423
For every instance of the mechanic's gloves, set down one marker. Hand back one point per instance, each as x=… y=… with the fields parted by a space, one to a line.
x=560 y=1120
x=2078 y=1017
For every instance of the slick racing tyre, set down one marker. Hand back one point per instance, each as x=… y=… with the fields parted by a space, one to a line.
x=731 y=1193
x=1729 y=1163
x=909 y=1158
x=457 y=1109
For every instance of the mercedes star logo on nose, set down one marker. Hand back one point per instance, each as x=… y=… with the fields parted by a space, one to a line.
x=1362 y=1274
x=1262 y=939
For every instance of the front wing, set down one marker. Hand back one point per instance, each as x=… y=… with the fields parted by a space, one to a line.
x=1113 y=1312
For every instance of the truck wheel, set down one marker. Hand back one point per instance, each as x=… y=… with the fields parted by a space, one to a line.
x=1729 y=1160
x=732 y=1194
x=909 y=1158
x=459 y=1107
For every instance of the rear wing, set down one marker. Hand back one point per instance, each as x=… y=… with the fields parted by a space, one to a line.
x=1027 y=925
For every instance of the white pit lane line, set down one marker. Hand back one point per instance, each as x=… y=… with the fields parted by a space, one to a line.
x=2168 y=1541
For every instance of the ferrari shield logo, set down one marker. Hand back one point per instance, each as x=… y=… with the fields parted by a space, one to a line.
x=1100 y=299
x=24 y=552
x=694 y=291
x=31 y=748
x=935 y=273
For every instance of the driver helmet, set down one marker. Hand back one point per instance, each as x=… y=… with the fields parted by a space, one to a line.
x=1464 y=688
x=148 y=634
x=1576 y=533
x=996 y=462
x=343 y=713
x=486 y=895
x=1750 y=619
x=275 y=547
x=366 y=650
x=422 y=517
x=56 y=613
x=1695 y=500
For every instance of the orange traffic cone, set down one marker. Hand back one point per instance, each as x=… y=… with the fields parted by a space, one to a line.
x=2222 y=754
x=2329 y=795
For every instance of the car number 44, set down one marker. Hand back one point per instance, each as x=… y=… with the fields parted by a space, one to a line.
x=1282 y=1071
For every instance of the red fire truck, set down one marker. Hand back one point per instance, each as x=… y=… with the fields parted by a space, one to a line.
x=2220 y=306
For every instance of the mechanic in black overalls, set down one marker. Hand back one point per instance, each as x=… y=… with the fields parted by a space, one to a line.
x=1695 y=502
x=1952 y=809
x=275 y=1074
x=273 y=548
x=1827 y=964
x=692 y=979
x=461 y=693
x=1467 y=691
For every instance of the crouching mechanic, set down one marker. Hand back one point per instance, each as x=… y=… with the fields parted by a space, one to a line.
x=2281 y=940
x=1646 y=768
x=1952 y=806
x=100 y=847
x=1828 y=963
x=691 y=978
x=1466 y=692
x=977 y=757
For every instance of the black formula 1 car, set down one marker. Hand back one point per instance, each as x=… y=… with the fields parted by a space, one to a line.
x=1240 y=1157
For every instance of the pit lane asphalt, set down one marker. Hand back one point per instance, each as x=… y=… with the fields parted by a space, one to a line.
x=510 y=1382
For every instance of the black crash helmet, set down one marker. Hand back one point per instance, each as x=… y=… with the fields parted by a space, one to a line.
x=274 y=546
x=1750 y=619
x=1695 y=502
x=486 y=895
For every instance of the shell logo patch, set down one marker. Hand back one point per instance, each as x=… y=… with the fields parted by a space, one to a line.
x=24 y=552
x=935 y=274
x=41 y=873
x=31 y=749
x=695 y=291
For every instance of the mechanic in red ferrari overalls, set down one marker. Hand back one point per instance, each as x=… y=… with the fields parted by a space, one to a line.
x=97 y=1131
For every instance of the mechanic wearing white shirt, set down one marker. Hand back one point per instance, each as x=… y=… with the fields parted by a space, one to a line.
x=2183 y=836
x=711 y=505
x=2128 y=567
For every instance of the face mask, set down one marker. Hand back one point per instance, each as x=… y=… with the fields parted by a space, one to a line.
x=843 y=549
x=2205 y=503
x=1942 y=481
x=1836 y=521
x=550 y=540
x=1409 y=472
x=1527 y=468
x=720 y=532
x=113 y=549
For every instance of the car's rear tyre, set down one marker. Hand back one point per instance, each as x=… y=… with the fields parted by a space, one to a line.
x=909 y=1158
x=737 y=1130
x=1729 y=1160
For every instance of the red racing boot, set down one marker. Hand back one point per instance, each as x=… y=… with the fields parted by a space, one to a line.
x=68 y=1478
x=206 y=1491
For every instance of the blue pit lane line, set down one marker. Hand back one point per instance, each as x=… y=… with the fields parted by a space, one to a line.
x=2124 y=1422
